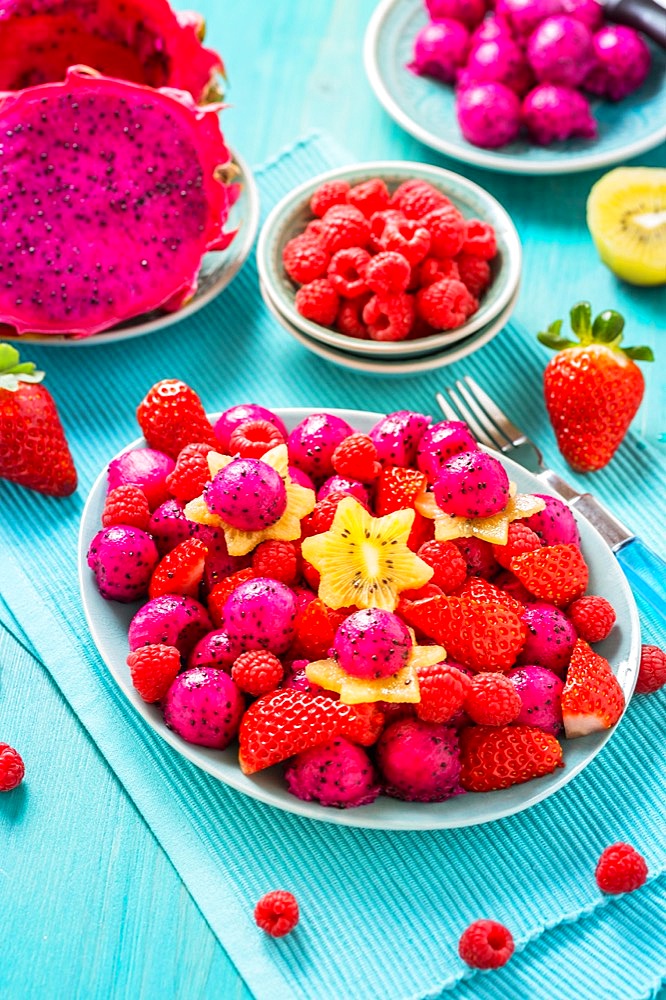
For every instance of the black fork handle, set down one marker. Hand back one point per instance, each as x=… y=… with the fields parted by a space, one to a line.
x=647 y=16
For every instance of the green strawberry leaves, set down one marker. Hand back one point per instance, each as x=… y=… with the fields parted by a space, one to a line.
x=607 y=328
x=13 y=371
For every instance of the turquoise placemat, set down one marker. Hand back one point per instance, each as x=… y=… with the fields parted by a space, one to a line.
x=382 y=912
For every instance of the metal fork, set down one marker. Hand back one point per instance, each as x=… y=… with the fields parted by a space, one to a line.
x=645 y=570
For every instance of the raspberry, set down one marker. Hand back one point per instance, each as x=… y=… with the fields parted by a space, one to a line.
x=370 y=197
x=448 y=563
x=389 y=318
x=127 y=504
x=388 y=273
x=218 y=595
x=520 y=539
x=447 y=231
x=592 y=617
x=434 y=269
x=314 y=229
x=474 y=273
x=349 y=319
x=486 y=944
x=492 y=700
x=346 y=272
x=652 y=670
x=304 y=259
x=344 y=226
x=257 y=672
x=417 y=198
x=153 y=670
x=191 y=472
x=253 y=438
x=410 y=238
x=328 y=195
x=379 y=222
x=321 y=517
x=443 y=691
x=356 y=458
x=318 y=301
x=278 y=560
x=445 y=304
x=620 y=869
x=277 y=913
x=479 y=239
x=12 y=768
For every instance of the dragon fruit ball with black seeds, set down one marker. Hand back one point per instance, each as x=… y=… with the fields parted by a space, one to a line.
x=260 y=614
x=205 y=707
x=247 y=493
x=172 y=620
x=338 y=774
x=123 y=559
x=419 y=761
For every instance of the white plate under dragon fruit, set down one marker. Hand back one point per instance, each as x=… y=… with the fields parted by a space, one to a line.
x=109 y=622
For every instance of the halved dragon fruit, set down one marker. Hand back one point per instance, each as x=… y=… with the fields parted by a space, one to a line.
x=112 y=192
x=140 y=40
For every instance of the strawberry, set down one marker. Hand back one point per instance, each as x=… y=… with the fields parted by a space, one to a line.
x=285 y=722
x=495 y=757
x=477 y=588
x=316 y=630
x=191 y=473
x=171 y=415
x=482 y=635
x=153 y=669
x=592 y=699
x=520 y=539
x=33 y=448
x=398 y=488
x=218 y=595
x=592 y=386
x=554 y=573
x=180 y=571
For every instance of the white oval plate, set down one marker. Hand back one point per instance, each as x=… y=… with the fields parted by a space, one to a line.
x=425 y=107
x=109 y=621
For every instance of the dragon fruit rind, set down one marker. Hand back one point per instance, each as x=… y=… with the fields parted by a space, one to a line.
x=204 y=706
x=338 y=774
x=111 y=192
x=144 y=41
x=419 y=761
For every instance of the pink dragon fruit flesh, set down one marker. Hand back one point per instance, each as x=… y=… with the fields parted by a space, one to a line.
x=488 y=114
x=204 y=706
x=419 y=761
x=337 y=774
x=622 y=62
x=553 y=113
x=144 y=41
x=468 y=12
x=440 y=49
x=560 y=51
x=472 y=484
x=111 y=194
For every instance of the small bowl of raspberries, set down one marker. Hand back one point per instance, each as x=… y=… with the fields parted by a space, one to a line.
x=390 y=261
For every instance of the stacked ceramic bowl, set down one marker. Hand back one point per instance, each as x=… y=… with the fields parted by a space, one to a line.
x=290 y=217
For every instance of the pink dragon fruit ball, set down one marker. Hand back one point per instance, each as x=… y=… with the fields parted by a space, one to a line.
x=555 y=524
x=300 y=478
x=560 y=51
x=123 y=559
x=500 y=60
x=590 y=12
x=295 y=678
x=312 y=442
x=550 y=638
x=490 y=30
x=372 y=643
x=227 y=422
x=419 y=761
x=479 y=557
x=488 y=114
x=215 y=649
x=523 y=16
x=441 y=442
x=468 y=12
x=440 y=49
x=247 y=493
x=169 y=526
x=219 y=564
x=397 y=436
x=540 y=692
x=622 y=62
x=172 y=620
x=338 y=774
x=472 y=484
x=340 y=484
x=260 y=614
x=145 y=468
x=204 y=706
x=552 y=113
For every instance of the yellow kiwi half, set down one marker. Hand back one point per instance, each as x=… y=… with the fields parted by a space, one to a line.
x=626 y=215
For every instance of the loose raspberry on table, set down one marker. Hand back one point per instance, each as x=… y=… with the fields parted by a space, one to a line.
x=304 y=259
x=416 y=198
x=370 y=196
x=409 y=238
x=126 y=504
x=327 y=195
x=445 y=305
x=446 y=226
x=318 y=301
x=346 y=272
x=389 y=317
x=191 y=472
x=349 y=319
x=153 y=669
x=388 y=273
x=12 y=768
x=253 y=438
x=443 y=690
x=277 y=913
x=474 y=273
x=257 y=672
x=434 y=269
x=652 y=670
x=344 y=226
x=479 y=239
x=492 y=700
x=486 y=944
x=520 y=539
x=620 y=869
x=448 y=563
x=593 y=617
x=278 y=560
x=356 y=458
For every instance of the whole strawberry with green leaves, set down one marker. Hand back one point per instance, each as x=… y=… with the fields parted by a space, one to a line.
x=33 y=448
x=592 y=387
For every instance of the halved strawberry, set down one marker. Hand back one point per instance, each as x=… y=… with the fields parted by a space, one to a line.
x=495 y=757
x=218 y=595
x=153 y=669
x=592 y=699
x=316 y=630
x=180 y=571
x=285 y=722
x=555 y=573
x=398 y=488
x=479 y=589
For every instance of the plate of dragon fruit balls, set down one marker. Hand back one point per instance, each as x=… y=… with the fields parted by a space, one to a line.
x=521 y=86
x=364 y=619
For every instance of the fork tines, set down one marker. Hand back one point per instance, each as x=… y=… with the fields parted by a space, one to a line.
x=467 y=401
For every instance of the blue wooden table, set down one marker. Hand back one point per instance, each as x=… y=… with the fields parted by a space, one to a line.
x=91 y=905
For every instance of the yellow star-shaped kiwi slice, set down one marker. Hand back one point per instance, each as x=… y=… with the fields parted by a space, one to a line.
x=364 y=561
x=300 y=501
x=401 y=687
x=494 y=529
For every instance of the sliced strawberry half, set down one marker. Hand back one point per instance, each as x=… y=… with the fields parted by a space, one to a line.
x=316 y=630
x=479 y=589
x=495 y=757
x=555 y=573
x=592 y=699
x=180 y=571
x=398 y=488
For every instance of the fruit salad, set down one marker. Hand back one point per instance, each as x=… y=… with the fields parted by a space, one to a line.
x=376 y=614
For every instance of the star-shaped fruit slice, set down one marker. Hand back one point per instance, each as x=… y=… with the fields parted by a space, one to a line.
x=493 y=529
x=401 y=687
x=364 y=561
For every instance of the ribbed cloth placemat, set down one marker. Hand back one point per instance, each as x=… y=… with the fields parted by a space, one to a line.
x=382 y=912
